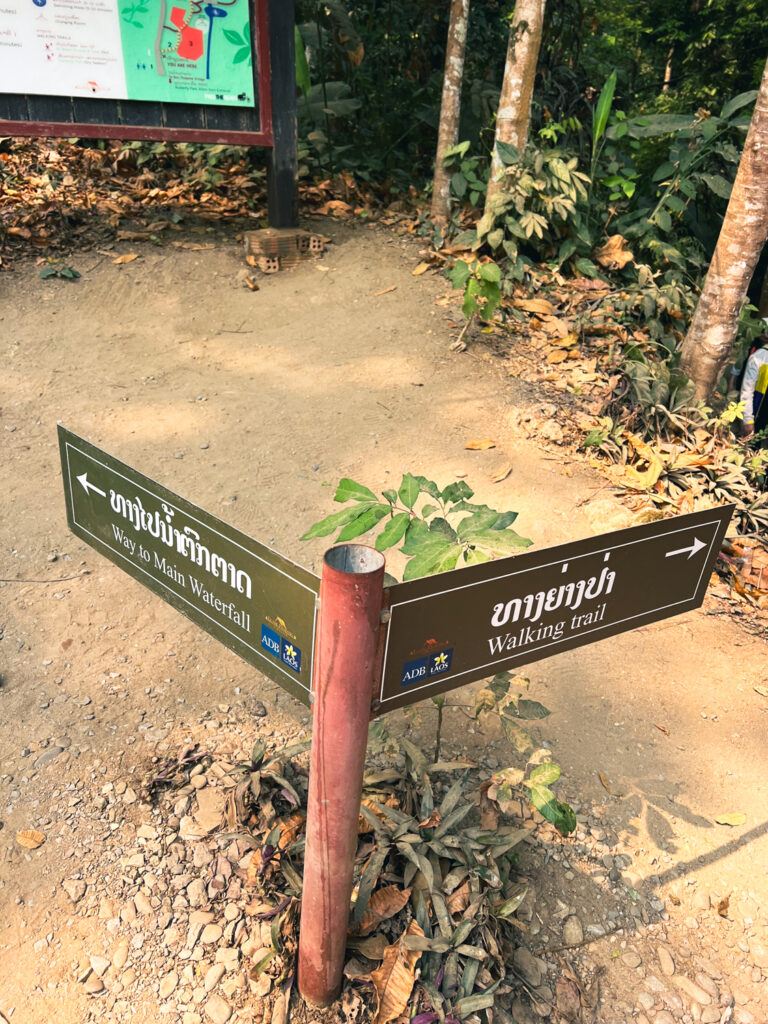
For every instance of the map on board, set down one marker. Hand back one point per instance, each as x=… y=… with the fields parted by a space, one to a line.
x=167 y=51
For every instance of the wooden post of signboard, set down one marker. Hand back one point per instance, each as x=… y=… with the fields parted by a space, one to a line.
x=283 y=163
x=351 y=597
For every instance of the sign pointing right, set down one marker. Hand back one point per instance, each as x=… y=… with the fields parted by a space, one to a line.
x=450 y=629
x=690 y=551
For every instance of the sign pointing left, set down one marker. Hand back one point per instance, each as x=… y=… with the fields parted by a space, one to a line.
x=90 y=487
x=256 y=602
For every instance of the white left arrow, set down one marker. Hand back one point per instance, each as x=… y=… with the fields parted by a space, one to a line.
x=690 y=551
x=89 y=486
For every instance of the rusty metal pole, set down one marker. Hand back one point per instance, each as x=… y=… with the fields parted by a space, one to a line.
x=351 y=593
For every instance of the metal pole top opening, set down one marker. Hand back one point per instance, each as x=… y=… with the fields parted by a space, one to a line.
x=355 y=559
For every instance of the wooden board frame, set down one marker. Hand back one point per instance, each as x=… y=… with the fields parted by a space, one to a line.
x=147 y=121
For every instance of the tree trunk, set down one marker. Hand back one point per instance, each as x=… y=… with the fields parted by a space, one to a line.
x=715 y=323
x=517 y=88
x=450 y=107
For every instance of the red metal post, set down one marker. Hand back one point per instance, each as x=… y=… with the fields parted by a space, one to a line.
x=351 y=593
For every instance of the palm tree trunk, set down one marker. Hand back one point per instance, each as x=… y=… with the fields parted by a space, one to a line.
x=450 y=107
x=715 y=323
x=514 y=113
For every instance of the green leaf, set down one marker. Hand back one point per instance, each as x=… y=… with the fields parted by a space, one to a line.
x=349 y=490
x=47 y=272
x=459 y=184
x=443 y=527
x=585 y=267
x=437 y=557
x=364 y=522
x=559 y=814
x=391 y=495
x=409 y=490
x=483 y=519
x=603 y=109
x=530 y=710
x=428 y=487
x=718 y=184
x=416 y=536
x=505 y=519
x=333 y=522
x=508 y=154
x=474 y=557
x=506 y=542
x=233 y=37
x=303 y=81
x=490 y=272
x=459 y=274
x=458 y=491
x=545 y=774
x=428 y=510
x=241 y=55
x=393 y=532
x=742 y=100
x=508 y=907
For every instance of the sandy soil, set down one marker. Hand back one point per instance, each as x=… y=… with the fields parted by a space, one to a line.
x=253 y=405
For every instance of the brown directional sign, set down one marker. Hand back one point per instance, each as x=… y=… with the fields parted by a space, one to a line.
x=253 y=600
x=471 y=623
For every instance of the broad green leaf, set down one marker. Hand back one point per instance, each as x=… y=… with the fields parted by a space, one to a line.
x=545 y=774
x=443 y=528
x=718 y=184
x=457 y=492
x=459 y=184
x=483 y=519
x=508 y=154
x=416 y=537
x=505 y=519
x=463 y=931
x=349 y=490
x=490 y=272
x=459 y=274
x=390 y=495
x=241 y=55
x=559 y=814
x=368 y=880
x=428 y=510
x=506 y=542
x=409 y=490
x=393 y=532
x=438 y=557
x=508 y=907
x=363 y=523
x=234 y=37
x=473 y=556
x=737 y=102
x=334 y=521
x=530 y=710
x=428 y=487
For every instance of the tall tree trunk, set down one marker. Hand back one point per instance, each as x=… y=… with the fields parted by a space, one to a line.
x=450 y=107
x=517 y=88
x=715 y=323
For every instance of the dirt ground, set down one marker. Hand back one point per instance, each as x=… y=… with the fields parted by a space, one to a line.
x=253 y=405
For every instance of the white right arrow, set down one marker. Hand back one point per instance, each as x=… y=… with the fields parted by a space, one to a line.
x=690 y=551
x=89 y=486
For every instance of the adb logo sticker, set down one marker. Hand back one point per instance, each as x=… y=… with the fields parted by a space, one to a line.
x=270 y=641
x=414 y=671
x=291 y=655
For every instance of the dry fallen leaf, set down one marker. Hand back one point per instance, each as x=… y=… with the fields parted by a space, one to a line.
x=290 y=828
x=568 y=999
x=722 y=906
x=395 y=978
x=382 y=905
x=30 y=839
x=373 y=948
x=605 y=782
x=502 y=474
x=251 y=283
x=557 y=356
x=613 y=255
x=479 y=446
x=422 y=268
x=737 y=818
x=386 y=291
x=127 y=257
x=535 y=306
x=762 y=690
x=458 y=901
x=662 y=728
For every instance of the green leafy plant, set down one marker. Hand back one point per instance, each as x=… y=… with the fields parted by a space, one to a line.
x=56 y=268
x=437 y=527
x=242 y=40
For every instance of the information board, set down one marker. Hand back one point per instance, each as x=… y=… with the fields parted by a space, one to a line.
x=185 y=70
x=467 y=624
x=256 y=602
